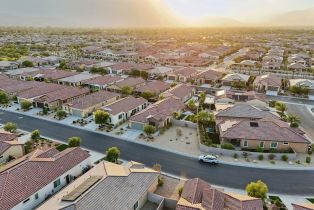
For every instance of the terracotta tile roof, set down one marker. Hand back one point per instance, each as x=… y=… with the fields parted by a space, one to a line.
x=186 y=72
x=124 y=105
x=159 y=111
x=199 y=195
x=209 y=74
x=103 y=80
x=92 y=99
x=244 y=111
x=155 y=86
x=269 y=79
x=16 y=86
x=63 y=94
x=266 y=129
x=44 y=89
x=23 y=180
x=180 y=91
x=7 y=140
x=131 y=82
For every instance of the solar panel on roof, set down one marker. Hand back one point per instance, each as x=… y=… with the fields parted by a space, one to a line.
x=77 y=192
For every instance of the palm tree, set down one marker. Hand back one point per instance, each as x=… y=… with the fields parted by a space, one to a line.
x=281 y=108
x=293 y=120
x=206 y=118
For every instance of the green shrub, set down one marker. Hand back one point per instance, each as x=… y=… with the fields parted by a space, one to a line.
x=271 y=156
x=161 y=182
x=235 y=156
x=180 y=190
x=261 y=157
x=61 y=147
x=272 y=162
x=308 y=159
x=260 y=149
x=284 y=158
x=298 y=162
x=227 y=146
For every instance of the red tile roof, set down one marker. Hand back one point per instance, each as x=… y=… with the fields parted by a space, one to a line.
x=63 y=94
x=92 y=99
x=124 y=105
x=103 y=80
x=44 y=89
x=155 y=86
x=39 y=169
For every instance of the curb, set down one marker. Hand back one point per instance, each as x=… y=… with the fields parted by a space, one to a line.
x=161 y=148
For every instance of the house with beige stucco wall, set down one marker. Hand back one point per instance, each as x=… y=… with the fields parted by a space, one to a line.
x=10 y=147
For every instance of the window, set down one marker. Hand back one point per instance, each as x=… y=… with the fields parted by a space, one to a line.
x=261 y=144
x=245 y=143
x=56 y=183
x=36 y=196
x=135 y=205
x=286 y=143
x=273 y=145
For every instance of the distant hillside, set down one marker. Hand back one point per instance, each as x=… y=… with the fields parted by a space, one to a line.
x=293 y=18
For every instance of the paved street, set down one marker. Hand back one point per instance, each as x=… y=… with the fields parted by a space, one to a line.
x=291 y=100
x=307 y=118
x=279 y=181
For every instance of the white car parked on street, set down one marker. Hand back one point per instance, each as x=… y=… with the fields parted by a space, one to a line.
x=208 y=159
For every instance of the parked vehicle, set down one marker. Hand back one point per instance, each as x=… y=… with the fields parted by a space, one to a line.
x=208 y=159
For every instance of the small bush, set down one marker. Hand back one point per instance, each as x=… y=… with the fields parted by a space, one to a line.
x=61 y=147
x=235 y=156
x=260 y=149
x=180 y=190
x=272 y=162
x=261 y=157
x=227 y=146
x=298 y=162
x=161 y=182
x=284 y=158
x=308 y=159
x=271 y=156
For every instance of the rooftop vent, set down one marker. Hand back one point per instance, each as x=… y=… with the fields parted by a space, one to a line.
x=254 y=124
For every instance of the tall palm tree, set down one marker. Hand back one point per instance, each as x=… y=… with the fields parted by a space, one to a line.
x=281 y=108
x=294 y=120
x=206 y=118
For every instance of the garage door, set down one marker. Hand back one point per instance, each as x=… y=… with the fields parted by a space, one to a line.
x=137 y=126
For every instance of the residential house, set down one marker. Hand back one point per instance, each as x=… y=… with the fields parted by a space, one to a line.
x=8 y=65
x=77 y=80
x=100 y=83
x=181 y=91
x=158 y=114
x=182 y=75
x=86 y=105
x=268 y=83
x=56 y=99
x=108 y=186
x=268 y=133
x=38 y=91
x=124 y=108
x=272 y=62
x=305 y=83
x=297 y=67
x=30 y=180
x=208 y=77
x=156 y=87
x=303 y=206
x=199 y=195
x=128 y=82
x=50 y=75
x=15 y=87
x=15 y=74
x=243 y=111
x=10 y=147
x=245 y=65
x=234 y=77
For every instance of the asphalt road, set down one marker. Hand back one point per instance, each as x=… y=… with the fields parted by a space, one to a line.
x=279 y=181
x=307 y=118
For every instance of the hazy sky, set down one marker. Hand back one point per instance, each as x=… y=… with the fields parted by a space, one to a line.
x=112 y=13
